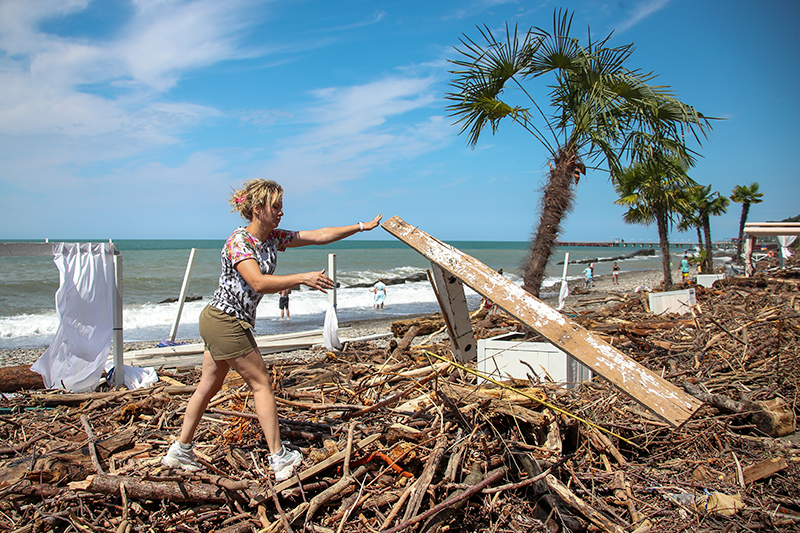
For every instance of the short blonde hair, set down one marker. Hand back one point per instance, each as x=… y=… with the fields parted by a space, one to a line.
x=255 y=192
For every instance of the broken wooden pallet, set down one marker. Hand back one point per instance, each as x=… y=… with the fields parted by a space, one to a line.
x=648 y=388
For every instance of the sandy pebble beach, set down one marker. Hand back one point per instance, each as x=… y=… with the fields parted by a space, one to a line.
x=628 y=281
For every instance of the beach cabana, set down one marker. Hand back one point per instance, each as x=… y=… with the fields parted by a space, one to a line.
x=784 y=232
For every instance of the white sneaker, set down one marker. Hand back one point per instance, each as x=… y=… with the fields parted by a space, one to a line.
x=178 y=458
x=283 y=463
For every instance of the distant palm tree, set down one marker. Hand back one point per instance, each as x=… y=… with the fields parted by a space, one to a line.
x=655 y=191
x=689 y=220
x=706 y=204
x=742 y=194
x=601 y=111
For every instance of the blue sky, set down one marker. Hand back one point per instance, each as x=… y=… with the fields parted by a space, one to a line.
x=133 y=119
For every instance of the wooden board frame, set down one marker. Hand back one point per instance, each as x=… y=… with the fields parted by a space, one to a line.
x=453 y=302
x=658 y=395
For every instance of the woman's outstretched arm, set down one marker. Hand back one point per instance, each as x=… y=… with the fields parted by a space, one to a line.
x=333 y=234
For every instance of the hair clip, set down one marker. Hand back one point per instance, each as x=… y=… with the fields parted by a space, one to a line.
x=240 y=199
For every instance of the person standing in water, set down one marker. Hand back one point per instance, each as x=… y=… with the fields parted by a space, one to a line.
x=249 y=258
x=283 y=302
x=380 y=294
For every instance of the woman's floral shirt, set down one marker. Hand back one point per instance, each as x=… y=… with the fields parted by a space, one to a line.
x=234 y=296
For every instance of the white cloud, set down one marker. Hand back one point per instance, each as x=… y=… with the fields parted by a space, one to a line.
x=68 y=101
x=641 y=12
x=168 y=38
x=352 y=131
x=86 y=118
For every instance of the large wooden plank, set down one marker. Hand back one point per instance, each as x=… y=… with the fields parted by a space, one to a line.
x=648 y=388
x=183 y=355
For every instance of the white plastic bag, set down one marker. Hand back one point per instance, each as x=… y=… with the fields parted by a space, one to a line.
x=330 y=334
x=135 y=377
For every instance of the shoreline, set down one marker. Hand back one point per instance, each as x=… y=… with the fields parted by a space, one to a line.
x=628 y=281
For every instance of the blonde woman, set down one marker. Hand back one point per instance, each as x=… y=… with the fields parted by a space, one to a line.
x=249 y=258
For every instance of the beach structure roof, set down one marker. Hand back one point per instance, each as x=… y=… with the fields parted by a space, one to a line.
x=785 y=232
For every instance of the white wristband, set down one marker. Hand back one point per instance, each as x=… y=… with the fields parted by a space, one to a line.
x=360 y=226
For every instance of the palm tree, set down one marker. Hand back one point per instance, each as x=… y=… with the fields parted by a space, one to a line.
x=690 y=220
x=742 y=194
x=706 y=204
x=601 y=112
x=655 y=191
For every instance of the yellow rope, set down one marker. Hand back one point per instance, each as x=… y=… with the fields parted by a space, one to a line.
x=487 y=377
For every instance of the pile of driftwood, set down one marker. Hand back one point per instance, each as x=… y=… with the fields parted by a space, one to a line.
x=399 y=439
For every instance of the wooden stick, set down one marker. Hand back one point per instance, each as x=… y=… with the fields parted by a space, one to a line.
x=405 y=342
x=392 y=399
x=277 y=503
x=397 y=506
x=87 y=427
x=595 y=516
x=421 y=485
x=494 y=476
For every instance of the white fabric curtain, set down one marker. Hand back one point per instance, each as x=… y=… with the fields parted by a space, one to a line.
x=785 y=242
x=85 y=307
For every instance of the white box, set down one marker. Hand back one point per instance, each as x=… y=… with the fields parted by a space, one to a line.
x=679 y=302
x=501 y=358
x=707 y=280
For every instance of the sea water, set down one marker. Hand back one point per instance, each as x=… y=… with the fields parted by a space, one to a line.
x=153 y=271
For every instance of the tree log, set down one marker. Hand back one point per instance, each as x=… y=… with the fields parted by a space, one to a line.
x=15 y=378
x=426 y=325
x=153 y=490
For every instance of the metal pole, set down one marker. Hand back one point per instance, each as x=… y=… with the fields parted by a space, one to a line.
x=186 y=277
x=119 y=360
x=561 y=292
x=332 y=275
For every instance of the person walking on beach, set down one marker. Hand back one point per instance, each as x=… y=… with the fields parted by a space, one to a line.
x=587 y=277
x=283 y=302
x=615 y=274
x=249 y=258
x=380 y=294
x=685 y=268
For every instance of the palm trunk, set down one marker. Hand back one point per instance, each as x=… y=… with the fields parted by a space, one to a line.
x=742 y=221
x=556 y=203
x=663 y=241
x=709 y=247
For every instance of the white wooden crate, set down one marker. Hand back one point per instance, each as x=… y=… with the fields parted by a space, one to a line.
x=707 y=280
x=679 y=302
x=501 y=358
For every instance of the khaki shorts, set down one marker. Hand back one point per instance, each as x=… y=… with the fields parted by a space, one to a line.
x=225 y=336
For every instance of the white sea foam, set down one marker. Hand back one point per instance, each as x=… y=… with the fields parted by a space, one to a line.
x=157 y=274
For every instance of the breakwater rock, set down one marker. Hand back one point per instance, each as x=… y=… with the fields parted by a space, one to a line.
x=420 y=276
x=637 y=253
